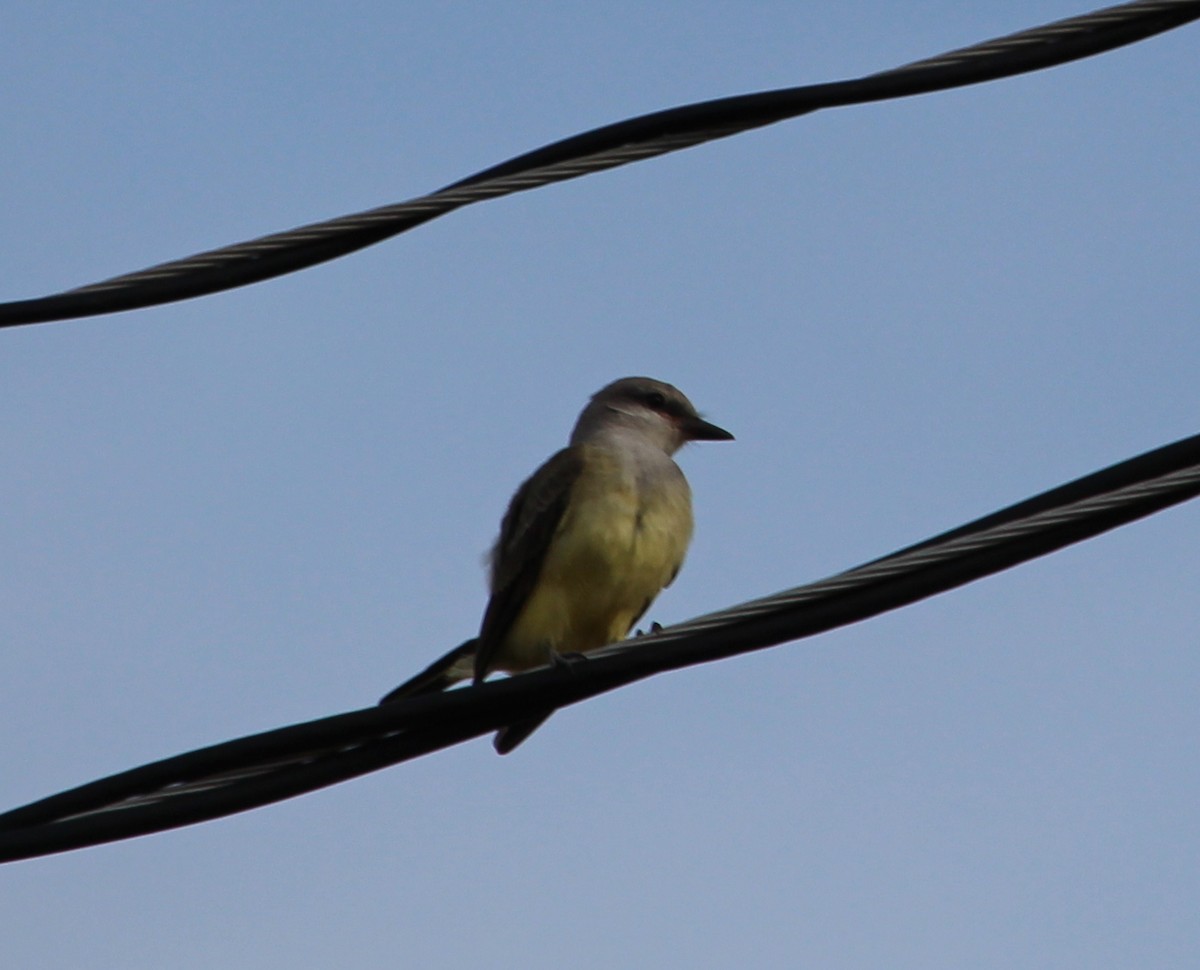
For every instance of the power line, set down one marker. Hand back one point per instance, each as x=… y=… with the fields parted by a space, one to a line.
x=603 y=148
x=264 y=768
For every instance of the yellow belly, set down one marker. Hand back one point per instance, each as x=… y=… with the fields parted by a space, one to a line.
x=614 y=551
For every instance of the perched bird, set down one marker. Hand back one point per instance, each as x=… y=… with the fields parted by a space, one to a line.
x=587 y=543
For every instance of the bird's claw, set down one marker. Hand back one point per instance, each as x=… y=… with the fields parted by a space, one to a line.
x=565 y=661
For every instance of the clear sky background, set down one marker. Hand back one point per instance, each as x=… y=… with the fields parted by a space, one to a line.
x=269 y=505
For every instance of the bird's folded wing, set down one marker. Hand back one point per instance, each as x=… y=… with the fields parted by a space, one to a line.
x=529 y=526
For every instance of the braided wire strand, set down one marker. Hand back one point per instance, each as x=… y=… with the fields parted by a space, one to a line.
x=260 y=769
x=603 y=148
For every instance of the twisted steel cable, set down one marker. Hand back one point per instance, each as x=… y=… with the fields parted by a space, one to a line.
x=604 y=148
x=260 y=769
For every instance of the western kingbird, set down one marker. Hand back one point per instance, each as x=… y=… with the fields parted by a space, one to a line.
x=587 y=542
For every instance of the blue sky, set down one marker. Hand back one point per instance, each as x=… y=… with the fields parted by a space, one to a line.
x=270 y=505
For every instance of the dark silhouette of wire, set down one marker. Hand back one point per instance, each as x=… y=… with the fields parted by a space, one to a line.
x=264 y=768
x=600 y=149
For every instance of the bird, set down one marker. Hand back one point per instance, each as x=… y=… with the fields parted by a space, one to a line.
x=587 y=543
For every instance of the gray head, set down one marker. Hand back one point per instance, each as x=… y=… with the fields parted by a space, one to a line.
x=653 y=409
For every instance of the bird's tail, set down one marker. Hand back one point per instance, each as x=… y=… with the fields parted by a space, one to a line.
x=442 y=673
x=447 y=671
x=509 y=737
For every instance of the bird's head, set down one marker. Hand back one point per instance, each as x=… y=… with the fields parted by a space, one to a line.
x=654 y=409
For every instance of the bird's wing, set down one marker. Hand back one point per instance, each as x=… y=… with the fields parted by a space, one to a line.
x=529 y=525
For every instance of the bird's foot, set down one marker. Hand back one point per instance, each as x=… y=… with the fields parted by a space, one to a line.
x=565 y=661
x=655 y=627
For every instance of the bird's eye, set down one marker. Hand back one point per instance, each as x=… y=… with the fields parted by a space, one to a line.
x=657 y=400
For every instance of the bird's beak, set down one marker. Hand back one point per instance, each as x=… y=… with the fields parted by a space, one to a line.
x=697 y=429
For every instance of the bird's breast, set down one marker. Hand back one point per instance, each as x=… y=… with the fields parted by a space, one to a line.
x=621 y=540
